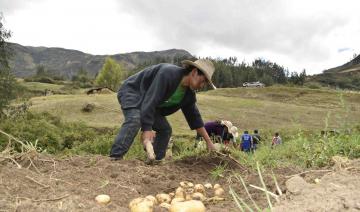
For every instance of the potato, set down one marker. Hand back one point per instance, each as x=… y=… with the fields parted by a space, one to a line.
x=177 y=200
x=216 y=186
x=135 y=201
x=208 y=186
x=102 y=199
x=145 y=205
x=151 y=198
x=217 y=147
x=172 y=195
x=188 y=206
x=190 y=185
x=183 y=184
x=179 y=193
x=165 y=205
x=219 y=192
x=163 y=198
x=199 y=188
x=198 y=196
x=188 y=196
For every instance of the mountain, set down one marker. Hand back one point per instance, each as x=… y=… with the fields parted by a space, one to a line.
x=346 y=76
x=353 y=65
x=67 y=62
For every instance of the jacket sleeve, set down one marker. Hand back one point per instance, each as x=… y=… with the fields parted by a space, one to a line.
x=152 y=98
x=192 y=116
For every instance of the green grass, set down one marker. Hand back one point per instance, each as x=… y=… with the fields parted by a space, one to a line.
x=297 y=113
x=38 y=86
x=272 y=108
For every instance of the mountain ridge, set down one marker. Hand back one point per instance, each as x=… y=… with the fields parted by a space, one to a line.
x=67 y=62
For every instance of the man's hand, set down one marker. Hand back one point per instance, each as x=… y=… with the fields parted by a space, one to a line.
x=210 y=146
x=147 y=138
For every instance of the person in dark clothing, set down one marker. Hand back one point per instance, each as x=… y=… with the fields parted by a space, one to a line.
x=246 y=142
x=147 y=97
x=256 y=139
x=222 y=129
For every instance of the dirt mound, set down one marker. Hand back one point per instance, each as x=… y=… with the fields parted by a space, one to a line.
x=72 y=183
x=335 y=191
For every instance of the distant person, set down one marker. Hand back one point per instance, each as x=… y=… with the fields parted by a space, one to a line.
x=256 y=139
x=246 y=142
x=276 y=140
x=147 y=97
x=221 y=131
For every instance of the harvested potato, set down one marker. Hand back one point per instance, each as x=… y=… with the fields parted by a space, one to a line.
x=216 y=186
x=165 y=205
x=199 y=188
x=172 y=195
x=102 y=199
x=208 y=186
x=135 y=201
x=163 y=198
x=145 y=205
x=179 y=193
x=177 y=200
x=152 y=198
x=188 y=206
x=219 y=192
x=183 y=184
x=198 y=196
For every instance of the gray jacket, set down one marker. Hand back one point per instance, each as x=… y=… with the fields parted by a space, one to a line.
x=151 y=87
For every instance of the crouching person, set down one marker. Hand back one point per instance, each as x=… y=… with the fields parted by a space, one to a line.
x=147 y=97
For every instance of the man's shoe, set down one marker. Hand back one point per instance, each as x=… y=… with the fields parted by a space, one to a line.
x=153 y=162
x=115 y=158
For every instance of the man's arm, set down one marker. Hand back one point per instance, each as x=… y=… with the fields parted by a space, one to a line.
x=201 y=131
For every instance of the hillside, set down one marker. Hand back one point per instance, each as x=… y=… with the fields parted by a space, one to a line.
x=353 y=65
x=290 y=108
x=346 y=76
x=67 y=62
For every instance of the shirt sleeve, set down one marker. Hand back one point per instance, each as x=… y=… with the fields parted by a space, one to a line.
x=192 y=116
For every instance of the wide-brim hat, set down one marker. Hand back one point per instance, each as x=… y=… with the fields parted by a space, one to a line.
x=234 y=131
x=205 y=66
x=231 y=128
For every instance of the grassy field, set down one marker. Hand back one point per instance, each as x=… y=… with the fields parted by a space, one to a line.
x=269 y=109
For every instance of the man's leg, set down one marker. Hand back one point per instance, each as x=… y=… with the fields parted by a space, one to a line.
x=163 y=134
x=127 y=133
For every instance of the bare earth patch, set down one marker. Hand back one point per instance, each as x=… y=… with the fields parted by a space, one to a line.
x=71 y=184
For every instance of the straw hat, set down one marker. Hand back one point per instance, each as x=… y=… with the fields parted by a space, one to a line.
x=231 y=129
x=205 y=66
x=234 y=131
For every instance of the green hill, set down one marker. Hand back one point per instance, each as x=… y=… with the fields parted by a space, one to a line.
x=346 y=76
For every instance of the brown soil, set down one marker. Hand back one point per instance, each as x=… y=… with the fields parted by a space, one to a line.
x=71 y=184
x=337 y=190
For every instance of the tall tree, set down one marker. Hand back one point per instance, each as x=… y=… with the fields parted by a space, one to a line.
x=111 y=74
x=7 y=80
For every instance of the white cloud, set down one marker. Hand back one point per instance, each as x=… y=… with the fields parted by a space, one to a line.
x=296 y=34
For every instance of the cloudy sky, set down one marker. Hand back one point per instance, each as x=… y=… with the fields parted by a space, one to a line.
x=310 y=34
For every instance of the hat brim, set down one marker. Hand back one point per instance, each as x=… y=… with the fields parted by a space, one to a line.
x=235 y=135
x=188 y=62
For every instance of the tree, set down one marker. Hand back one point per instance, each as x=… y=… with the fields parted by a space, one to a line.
x=8 y=83
x=111 y=74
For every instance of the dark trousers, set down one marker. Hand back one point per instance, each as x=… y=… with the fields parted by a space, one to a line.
x=130 y=129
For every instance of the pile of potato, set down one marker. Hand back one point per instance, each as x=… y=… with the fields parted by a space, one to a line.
x=186 y=198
